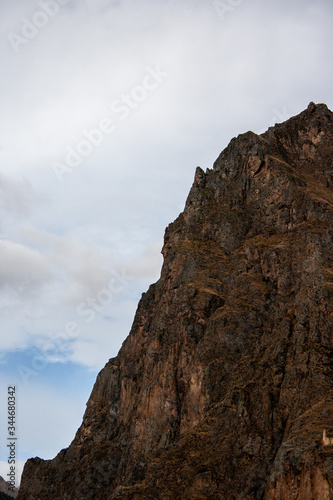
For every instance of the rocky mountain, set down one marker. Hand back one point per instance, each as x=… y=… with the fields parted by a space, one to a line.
x=7 y=492
x=4 y=496
x=224 y=387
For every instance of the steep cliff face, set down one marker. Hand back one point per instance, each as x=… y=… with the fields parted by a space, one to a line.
x=224 y=386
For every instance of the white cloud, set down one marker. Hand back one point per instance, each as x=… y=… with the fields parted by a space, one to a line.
x=16 y=196
x=22 y=268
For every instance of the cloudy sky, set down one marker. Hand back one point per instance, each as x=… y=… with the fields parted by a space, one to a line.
x=107 y=107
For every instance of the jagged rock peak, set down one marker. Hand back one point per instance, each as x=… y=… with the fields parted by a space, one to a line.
x=299 y=133
x=224 y=387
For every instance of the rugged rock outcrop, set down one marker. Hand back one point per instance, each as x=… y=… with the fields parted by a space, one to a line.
x=224 y=387
x=4 y=496
x=7 y=491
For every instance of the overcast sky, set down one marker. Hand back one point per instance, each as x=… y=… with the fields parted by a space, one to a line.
x=107 y=107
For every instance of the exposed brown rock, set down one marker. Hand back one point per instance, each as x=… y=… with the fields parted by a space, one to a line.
x=224 y=387
x=7 y=491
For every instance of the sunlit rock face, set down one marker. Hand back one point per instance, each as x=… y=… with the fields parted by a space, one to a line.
x=224 y=387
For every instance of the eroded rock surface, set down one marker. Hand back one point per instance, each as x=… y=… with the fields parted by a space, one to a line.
x=7 y=491
x=224 y=386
